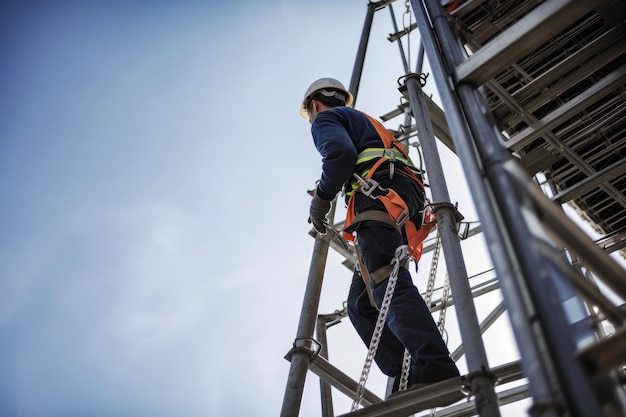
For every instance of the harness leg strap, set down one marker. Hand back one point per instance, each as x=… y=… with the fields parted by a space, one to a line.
x=365 y=275
x=381 y=274
x=375 y=215
x=383 y=217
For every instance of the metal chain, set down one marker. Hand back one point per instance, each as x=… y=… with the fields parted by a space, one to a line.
x=444 y=305
x=406 y=361
x=430 y=286
x=441 y=324
x=406 y=368
x=407 y=29
x=400 y=254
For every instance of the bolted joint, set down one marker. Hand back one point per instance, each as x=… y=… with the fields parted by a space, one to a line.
x=483 y=374
x=435 y=207
x=309 y=346
x=403 y=81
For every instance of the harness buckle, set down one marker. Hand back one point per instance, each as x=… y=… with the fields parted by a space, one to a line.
x=402 y=218
x=368 y=186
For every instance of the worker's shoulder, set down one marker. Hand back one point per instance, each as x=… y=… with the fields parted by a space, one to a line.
x=344 y=113
x=346 y=110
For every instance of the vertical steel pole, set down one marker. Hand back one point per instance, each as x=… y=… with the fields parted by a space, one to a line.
x=515 y=295
x=355 y=81
x=405 y=64
x=482 y=383
x=300 y=356
x=302 y=352
x=304 y=346
x=557 y=375
x=325 y=387
x=573 y=388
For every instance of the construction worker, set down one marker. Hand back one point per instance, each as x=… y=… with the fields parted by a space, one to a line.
x=351 y=142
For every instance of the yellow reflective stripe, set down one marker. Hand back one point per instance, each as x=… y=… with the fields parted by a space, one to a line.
x=369 y=154
x=373 y=153
x=355 y=185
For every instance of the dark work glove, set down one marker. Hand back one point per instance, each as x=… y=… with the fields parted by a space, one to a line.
x=317 y=213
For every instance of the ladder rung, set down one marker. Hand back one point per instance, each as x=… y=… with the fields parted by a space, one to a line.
x=329 y=373
x=434 y=395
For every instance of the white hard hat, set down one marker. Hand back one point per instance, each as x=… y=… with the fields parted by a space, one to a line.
x=328 y=87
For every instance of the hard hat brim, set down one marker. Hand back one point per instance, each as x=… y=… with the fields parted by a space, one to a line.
x=329 y=84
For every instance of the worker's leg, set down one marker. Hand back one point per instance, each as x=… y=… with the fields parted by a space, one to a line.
x=363 y=317
x=412 y=323
x=408 y=318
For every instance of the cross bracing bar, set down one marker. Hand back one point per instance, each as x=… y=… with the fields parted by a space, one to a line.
x=300 y=355
x=468 y=409
x=592 y=182
x=338 y=379
x=567 y=110
x=562 y=71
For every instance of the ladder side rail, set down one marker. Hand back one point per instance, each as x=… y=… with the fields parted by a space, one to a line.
x=325 y=388
x=536 y=366
x=476 y=357
x=359 y=61
x=301 y=354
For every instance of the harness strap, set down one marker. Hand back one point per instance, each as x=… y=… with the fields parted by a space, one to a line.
x=365 y=276
x=395 y=205
x=378 y=216
x=388 y=140
x=381 y=273
x=416 y=236
x=372 y=153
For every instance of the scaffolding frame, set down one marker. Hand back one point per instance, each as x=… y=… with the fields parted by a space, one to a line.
x=544 y=263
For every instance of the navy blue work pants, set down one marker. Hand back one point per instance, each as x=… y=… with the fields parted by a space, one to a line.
x=409 y=323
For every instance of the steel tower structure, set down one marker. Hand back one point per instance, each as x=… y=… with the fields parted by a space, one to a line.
x=534 y=105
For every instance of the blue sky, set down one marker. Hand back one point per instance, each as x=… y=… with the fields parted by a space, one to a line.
x=153 y=167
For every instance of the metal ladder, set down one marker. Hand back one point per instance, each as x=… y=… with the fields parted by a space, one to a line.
x=525 y=228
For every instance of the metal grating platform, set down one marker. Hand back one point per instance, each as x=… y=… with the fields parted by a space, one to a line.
x=562 y=107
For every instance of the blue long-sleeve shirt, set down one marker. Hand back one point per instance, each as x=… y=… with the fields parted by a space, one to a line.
x=340 y=134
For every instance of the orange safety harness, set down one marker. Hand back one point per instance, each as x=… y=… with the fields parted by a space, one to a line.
x=396 y=207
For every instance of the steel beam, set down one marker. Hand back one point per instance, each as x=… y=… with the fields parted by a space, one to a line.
x=357 y=70
x=592 y=182
x=544 y=22
x=338 y=379
x=558 y=116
